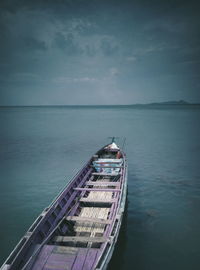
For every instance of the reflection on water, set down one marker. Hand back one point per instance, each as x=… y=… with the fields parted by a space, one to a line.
x=42 y=148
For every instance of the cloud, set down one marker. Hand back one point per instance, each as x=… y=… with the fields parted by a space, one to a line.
x=90 y=50
x=31 y=43
x=67 y=44
x=108 y=47
x=131 y=58
x=114 y=71
x=74 y=80
x=26 y=76
x=85 y=79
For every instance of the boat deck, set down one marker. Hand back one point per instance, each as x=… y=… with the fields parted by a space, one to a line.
x=65 y=258
x=80 y=250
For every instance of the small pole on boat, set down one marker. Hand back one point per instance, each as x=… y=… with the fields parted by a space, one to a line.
x=113 y=139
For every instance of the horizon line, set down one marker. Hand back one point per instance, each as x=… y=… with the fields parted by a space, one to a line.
x=106 y=105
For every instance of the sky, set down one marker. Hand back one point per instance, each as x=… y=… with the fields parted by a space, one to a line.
x=69 y=52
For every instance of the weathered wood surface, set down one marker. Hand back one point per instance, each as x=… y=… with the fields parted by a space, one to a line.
x=108 y=162
x=106 y=174
x=97 y=200
x=80 y=239
x=88 y=219
x=113 y=167
x=99 y=189
x=101 y=183
x=92 y=228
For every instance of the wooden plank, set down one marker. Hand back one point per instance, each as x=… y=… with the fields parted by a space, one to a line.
x=108 y=162
x=97 y=200
x=105 y=174
x=101 y=183
x=113 y=167
x=80 y=239
x=90 y=259
x=58 y=261
x=92 y=228
x=80 y=259
x=86 y=219
x=99 y=189
x=42 y=257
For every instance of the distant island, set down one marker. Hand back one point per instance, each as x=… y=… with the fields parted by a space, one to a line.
x=174 y=102
x=163 y=103
x=167 y=103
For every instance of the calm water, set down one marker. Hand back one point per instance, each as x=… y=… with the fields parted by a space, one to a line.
x=42 y=148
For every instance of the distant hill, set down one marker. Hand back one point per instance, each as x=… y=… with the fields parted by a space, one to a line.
x=173 y=102
x=179 y=102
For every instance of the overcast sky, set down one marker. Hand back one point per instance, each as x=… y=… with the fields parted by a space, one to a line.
x=99 y=51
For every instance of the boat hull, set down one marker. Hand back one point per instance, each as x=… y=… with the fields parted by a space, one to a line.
x=68 y=203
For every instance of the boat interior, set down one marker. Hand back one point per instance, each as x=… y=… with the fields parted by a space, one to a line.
x=86 y=229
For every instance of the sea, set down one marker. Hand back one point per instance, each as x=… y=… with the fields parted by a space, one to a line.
x=42 y=148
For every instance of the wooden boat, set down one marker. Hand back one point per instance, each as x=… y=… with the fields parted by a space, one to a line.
x=79 y=230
